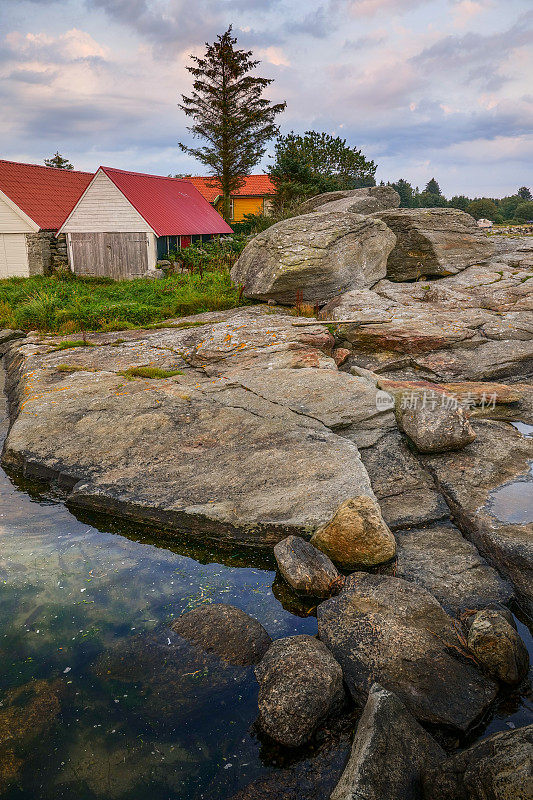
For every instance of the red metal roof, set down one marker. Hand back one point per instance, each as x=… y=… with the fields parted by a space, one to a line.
x=46 y=194
x=170 y=206
x=254 y=186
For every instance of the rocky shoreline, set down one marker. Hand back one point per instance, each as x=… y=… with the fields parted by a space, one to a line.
x=373 y=453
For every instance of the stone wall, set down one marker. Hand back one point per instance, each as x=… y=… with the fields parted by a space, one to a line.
x=46 y=252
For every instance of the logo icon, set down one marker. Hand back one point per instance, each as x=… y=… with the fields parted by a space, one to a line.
x=384 y=401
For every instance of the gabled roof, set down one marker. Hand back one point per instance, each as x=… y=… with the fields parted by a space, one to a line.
x=45 y=194
x=254 y=186
x=170 y=206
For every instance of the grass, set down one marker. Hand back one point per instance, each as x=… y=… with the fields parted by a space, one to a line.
x=150 y=372
x=72 y=368
x=68 y=305
x=67 y=344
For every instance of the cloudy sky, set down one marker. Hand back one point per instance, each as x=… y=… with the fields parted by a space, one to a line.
x=424 y=87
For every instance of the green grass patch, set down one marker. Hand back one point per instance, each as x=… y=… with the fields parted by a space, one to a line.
x=149 y=372
x=61 y=305
x=72 y=368
x=68 y=343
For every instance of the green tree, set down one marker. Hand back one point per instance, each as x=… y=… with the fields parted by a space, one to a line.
x=406 y=192
x=482 y=207
x=524 y=211
x=314 y=163
x=431 y=200
x=459 y=201
x=524 y=193
x=58 y=162
x=432 y=187
x=229 y=113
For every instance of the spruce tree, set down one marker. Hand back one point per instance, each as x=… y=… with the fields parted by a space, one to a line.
x=58 y=161
x=433 y=187
x=229 y=113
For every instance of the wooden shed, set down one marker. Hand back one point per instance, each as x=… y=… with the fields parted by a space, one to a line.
x=34 y=201
x=125 y=222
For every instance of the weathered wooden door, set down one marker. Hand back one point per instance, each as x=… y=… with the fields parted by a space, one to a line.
x=115 y=255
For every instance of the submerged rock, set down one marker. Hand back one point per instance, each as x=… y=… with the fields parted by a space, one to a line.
x=300 y=684
x=317 y=255
x=384 y=629
x=226 y=631
x=433 y=241
x=498 y=647
x=390 y=753
x=357 y=535
x=499 y=768
x=306 y=569
x=434 y=429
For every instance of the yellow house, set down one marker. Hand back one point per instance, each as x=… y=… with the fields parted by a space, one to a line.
x=252 y=198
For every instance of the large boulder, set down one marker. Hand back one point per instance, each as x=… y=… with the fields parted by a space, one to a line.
x=357 y=535
x=497 y=645
x=306 y=569
x=226 y=631
x=433 y=241
x=497 y=768
x=436 y=426
x=383 y=629
x=315 y=256
x=300 y=685
x=390 y=753
x=360 y=201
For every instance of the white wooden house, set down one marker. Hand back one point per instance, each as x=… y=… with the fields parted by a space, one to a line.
x=33 y=203
x=125 y=221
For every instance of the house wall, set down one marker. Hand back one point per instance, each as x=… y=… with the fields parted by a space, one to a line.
x=244 y=205
x=10 y=221
x=104 y=209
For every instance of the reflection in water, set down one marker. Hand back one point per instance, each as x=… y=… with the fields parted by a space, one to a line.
x=98 y=698
x=513 y=502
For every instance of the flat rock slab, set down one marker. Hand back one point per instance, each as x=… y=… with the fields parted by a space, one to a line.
x=318 y=255
x=441 y=560
x=384 y=629
x=485 y=485
x=433 y=241
x=199 y=452
x=390 y=753
x=499 y=768
x=473 y=326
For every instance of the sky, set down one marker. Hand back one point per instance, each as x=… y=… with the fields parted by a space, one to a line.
x=425 y=88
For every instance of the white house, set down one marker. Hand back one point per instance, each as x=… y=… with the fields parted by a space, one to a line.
x=34 y=201
x=125 y=221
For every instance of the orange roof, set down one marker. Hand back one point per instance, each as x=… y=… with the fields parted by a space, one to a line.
x=45 y=194
x=254 y=186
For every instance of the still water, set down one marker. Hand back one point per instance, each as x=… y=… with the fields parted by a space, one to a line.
x=99 y=700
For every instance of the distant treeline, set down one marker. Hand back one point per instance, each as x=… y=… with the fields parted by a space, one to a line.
x=515 y=209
